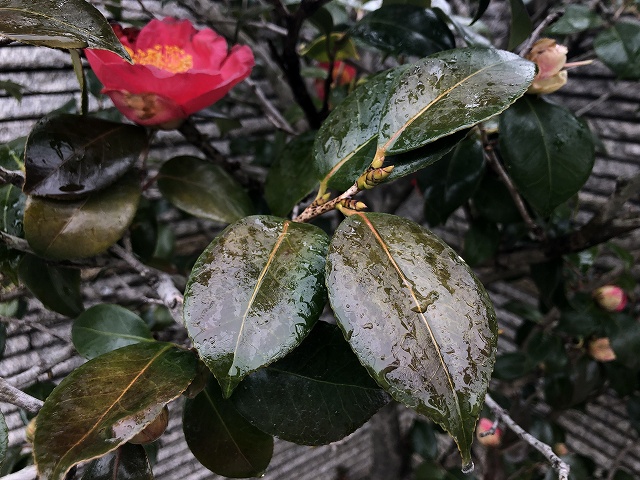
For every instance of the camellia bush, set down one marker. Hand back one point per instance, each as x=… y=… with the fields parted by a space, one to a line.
x=309 y=312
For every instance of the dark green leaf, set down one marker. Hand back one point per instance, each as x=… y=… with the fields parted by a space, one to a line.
x=431 y=470
x=547 y=349
x=254 y=294
x=221 y=439
x=103 y=328
x=39 y=390
x=548 y=277
x=3 y=338
x=107 y=401
x=481 y=242
x=68 y=24
x=204 y=190
x=576 y=18
x=317 y=394
x=494 y=202
x=12 y=88
x=128 y=462
x=547 y=150
x=58 y=288
x=340 y=45
x=415 y=3
x=4 y=439
x=619 y=48
x=404 y=30
x=625 y=342
x=482 y=7
x=292 y=175
x=12 y=203
x=423 y=439
x=521 y=25
x=511 y=366
x=448 y=92
x=12 y=154
x=82 y=228
x=633 y=409
x=416 y=316
x=69 y=156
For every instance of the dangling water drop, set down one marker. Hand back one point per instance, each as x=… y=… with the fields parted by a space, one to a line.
x=468 y=468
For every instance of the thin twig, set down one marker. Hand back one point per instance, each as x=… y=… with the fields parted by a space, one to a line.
x=558 y=465
x=549 y=19
x=36 y=326
x=10 y=394
x=27 y=473
x=14 y=177
x=27 y=377
x=272 y=113
x=602 y=98
x=314 y=209
x=16 y=243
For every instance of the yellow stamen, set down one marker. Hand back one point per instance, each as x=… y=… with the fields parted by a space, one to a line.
x=166 y=57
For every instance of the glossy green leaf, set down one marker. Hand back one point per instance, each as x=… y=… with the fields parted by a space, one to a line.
x=128 y=462
x=404 y=30
x=107 y=401
x=103 y=328
x=292 y=175
x=481 y=242
x=254 y=294
x=68 y=24
x=548 y=152
x=221 y=439
x=203 y=189
x=449 y=183
x=81 y=228
x=339 y=44
x=416 y=316
x=521 y=25
x=448 y=92
x=625 y=342
x=619 y=48
x=494 y=202
x=69 y=156
x=576 y=18
x=4 y=439
x=58 y=288
x=317 y=394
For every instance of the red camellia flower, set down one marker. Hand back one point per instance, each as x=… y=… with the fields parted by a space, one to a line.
x=177 y=70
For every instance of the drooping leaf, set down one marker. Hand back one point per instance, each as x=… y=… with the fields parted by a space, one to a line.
x=254 y=294
x=292 y=175
x=416 y=316
x=128 y=462
x=103 y=328
x=203 y=189
x=221 y=439
x=404 y=30
x=547 y=150
x=4 y=439
x=58 y=288
x=521 y=25
x=448 y=92
x=68 y=24
x=12 y=88
x=576 y=18
x=107 y=401
x=70 y=156
x=482 y=7
x=81 y=228
x=619 y=48
x=317 y=394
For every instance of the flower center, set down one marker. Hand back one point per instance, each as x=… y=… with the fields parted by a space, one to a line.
x=166 y=57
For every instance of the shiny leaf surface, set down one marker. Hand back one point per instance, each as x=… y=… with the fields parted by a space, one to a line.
x=448 y=92
x=103 y=328
x=82 y=228
x=254 y=294
x=317 y=394
x=69 y=156
x=416 y=316
x=68 y=24
x=106 y=401
x=547 y=150
x=619 y=48
x=128 y=462
x=221 y=439
x=203 y=189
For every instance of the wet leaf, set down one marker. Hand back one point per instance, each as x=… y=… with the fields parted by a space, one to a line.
x=83 y=228
x=404 y=30
x=103 y=328
x=221 y=439
x=416 y=316
x=521 y=25
x=254 y=294
x=619 y=48
x=547 y=150
x=107 y=401
x=448 y=92
x=68 y=24
x=4 y=439
x=70 y=156
x=58 y=288
x=128 y=462
x=576 y=18
x=204 y=190
x=317 y=394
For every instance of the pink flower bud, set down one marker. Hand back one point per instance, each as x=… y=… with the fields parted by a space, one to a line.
x=484 y=425
x=610 y=297
x=551 y=59
x=600 y=350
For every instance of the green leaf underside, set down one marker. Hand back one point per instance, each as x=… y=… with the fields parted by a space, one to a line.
x=128 y=462
x=68 y=24
x=103 y=328
x=619 y=48
x=81 y=228
x=416 y=317
x=203 y=189
x=254 y=294
x=448 y=92
x=318 y=394
x=69 y=156
x=107 y=401
x=221 y=439
x=547 y=150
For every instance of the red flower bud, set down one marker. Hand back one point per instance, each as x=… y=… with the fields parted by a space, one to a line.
x=610 y=297
x=177 y=70
x=600 y=349
x=484 y=425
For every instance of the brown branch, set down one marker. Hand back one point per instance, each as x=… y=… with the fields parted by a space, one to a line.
x=10 y=394
x=552 y=17
x=272 y=113
x=36 y=326
x=315 y=209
